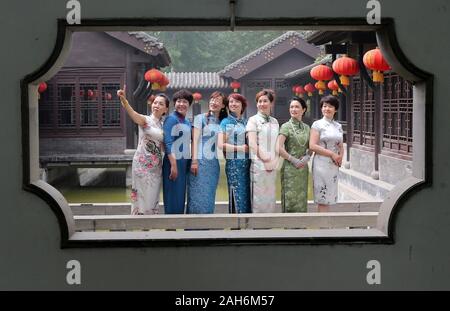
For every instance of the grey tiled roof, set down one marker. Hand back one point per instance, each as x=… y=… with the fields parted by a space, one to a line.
x=261 y=50
x=196 y=80
x=146 y=38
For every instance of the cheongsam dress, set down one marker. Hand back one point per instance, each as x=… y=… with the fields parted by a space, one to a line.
x=237 y=167
x=147 y=168
x=294 y=181
x=202 y=188
x=324 y=171
x=263 y=183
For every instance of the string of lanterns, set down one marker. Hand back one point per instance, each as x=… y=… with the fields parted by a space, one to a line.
x=345 y=67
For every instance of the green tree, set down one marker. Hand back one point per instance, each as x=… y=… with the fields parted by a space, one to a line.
x=210 y=51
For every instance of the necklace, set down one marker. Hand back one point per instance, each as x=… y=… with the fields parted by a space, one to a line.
x=297 y=134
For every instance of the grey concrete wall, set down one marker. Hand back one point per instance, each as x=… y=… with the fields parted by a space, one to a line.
x=81 y=145
x=393 y=170
x=362 y=161
x=31 y=257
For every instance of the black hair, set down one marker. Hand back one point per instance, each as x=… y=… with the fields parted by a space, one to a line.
x=301 y=101
x=183 y=94
x=330 y=99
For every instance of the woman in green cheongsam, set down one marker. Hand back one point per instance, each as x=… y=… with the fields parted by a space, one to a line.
x=293 y=142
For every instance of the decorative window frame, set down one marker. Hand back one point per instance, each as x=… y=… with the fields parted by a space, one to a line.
x=384 y=232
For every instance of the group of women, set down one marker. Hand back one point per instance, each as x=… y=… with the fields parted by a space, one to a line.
x=183 y=157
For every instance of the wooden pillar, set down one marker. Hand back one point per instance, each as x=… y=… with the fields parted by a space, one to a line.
x=348 y=113
x=362 y=98
x=377 y=129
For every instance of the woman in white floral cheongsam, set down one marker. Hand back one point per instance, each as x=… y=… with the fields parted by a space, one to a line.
x=327 y=143
x=147 y=161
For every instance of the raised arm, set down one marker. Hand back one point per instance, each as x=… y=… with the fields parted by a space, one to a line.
x=137 y=118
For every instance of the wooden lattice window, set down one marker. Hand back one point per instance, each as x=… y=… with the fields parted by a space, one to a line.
x=363 y=112
x=81 y=105
x=89 y=105
x=65 y=99
x=397 y=115
x=110 y=105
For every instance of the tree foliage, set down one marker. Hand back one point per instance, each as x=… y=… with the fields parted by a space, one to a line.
x=195 y=51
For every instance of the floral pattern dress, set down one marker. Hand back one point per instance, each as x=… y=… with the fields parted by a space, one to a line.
x=237 y=165
x=324 y=171
x=202 y=188
x=263 y=182
x=147 y=168
x=294 y=181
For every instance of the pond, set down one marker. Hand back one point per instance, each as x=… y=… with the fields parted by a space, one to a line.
x=119 y=194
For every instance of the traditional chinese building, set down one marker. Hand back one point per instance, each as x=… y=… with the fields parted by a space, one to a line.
x=377 y=117
x=265 y=67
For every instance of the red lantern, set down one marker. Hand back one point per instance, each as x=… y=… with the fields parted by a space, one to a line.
x=235 y=85
x=155 y=77
x=332 y=85
x=81 y=93
x=42 y=87
x=345 y=66
x=90 y=93
x=375 y=61
x=299 y=90
x=320 y=86
x=310 y=89
x=321 y=73
x=197 y=97
x=108 y=96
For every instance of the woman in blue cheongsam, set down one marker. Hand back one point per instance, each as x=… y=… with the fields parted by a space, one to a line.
x=232 y=141
x=177 y=138
x=205 y=168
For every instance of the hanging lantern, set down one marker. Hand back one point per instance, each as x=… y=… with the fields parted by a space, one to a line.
x=197 y=97
x=310 y=89
x=299 y=90
x=108 y=96
x=320 y=86
x=81 y=93
x=332 y=85
x=235 y=85
x=155 y=77
x=345 y=66
x=375 y=61
x=321 y=73
x=90 y=93
x=42 y=87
